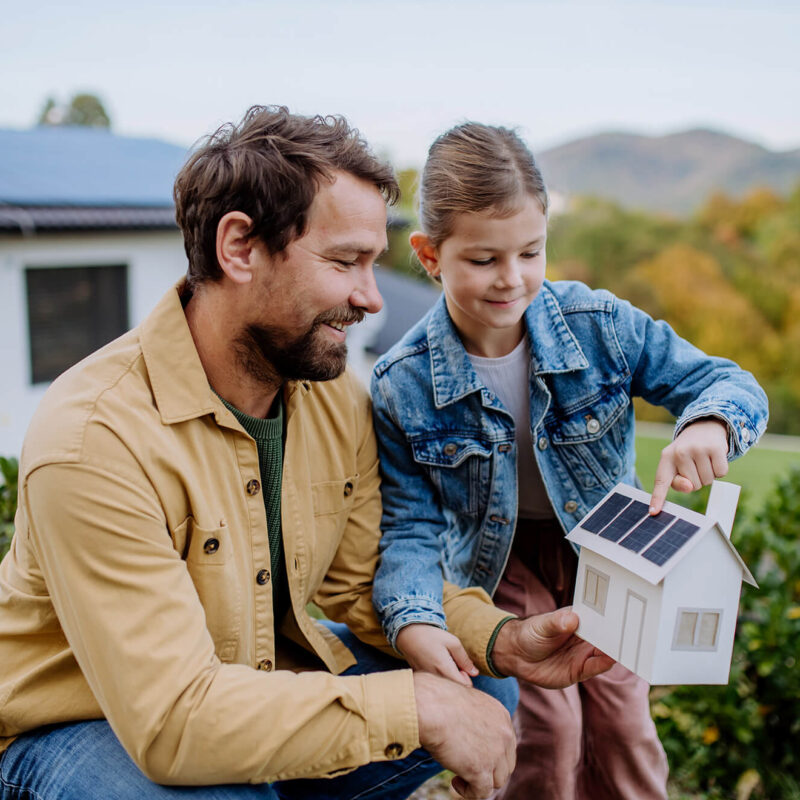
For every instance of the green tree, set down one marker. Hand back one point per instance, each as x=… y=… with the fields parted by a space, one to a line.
x=83 y=109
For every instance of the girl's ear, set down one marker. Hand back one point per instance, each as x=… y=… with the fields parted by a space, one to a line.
x=426 y=253
x=234 y=247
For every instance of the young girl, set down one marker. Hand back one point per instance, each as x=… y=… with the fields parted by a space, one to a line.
x=502 y=417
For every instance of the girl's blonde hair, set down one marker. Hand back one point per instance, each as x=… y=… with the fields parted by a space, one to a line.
x=475 y=167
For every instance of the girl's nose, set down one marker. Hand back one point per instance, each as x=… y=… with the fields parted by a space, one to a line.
x=510 y=274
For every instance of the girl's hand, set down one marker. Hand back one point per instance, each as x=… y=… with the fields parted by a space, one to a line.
x=430 y=649
x=697 y=456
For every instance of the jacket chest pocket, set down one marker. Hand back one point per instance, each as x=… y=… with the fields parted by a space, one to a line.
x=211 y=563
x=459 y=467
x=590 y=439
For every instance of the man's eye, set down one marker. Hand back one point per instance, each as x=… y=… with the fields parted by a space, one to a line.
x=345 y=263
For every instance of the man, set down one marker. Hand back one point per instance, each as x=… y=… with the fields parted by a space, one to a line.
x=188 y=489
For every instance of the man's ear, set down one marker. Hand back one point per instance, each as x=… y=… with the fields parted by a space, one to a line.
x=234 y=246
x=426 y=253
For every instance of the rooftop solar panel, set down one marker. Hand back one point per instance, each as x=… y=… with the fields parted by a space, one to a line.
x=618 y=527
x=673 y=540
x=646 y=531
x=603 y=515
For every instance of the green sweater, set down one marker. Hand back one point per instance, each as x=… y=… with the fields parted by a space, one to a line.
x=268 y=435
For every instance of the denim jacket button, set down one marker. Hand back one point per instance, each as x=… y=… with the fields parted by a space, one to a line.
x=450 y=449
x=745 y=435
x=542 y=443
x=570 y=506
x=592 y=426
x=503 y=448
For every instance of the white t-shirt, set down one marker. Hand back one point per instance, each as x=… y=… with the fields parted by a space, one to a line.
x=507 y=377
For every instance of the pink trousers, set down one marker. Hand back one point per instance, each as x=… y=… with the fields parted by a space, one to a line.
x=591 y=741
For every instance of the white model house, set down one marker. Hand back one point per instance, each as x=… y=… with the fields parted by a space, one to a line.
x=660 y=594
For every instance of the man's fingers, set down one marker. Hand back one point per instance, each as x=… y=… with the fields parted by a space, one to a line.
x=554 y=624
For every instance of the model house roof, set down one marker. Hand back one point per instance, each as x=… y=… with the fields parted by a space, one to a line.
x=621 y=529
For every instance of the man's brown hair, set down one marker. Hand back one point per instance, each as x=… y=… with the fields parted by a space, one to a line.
x=269 y=167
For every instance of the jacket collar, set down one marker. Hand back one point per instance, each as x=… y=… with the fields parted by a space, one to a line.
x=179 y=382
x=554 y=347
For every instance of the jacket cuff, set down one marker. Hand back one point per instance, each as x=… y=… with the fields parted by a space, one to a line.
x=408 y=611
x=392 y=725
x=743 y=432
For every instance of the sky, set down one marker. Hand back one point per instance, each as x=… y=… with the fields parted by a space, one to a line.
x=403 y=72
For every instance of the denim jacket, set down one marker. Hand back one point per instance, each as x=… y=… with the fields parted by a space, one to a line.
x=447 y=447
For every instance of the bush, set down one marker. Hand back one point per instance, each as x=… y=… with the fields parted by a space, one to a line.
x=9 y=470
x=740 y=740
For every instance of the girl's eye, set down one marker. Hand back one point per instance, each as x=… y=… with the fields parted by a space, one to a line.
x=481 y=262
x=531 y=254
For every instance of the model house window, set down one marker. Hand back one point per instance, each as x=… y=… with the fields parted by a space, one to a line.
x=595 y=590
x=696 y=629
x=72 y=311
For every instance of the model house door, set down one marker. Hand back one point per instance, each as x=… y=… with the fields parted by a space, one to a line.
x=632 y=626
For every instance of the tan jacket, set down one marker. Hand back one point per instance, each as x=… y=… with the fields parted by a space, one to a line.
x=116 y=603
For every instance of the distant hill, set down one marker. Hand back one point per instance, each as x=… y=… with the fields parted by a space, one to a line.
x=674 y=173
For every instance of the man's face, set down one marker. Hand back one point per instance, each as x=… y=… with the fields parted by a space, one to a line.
x=304 y=298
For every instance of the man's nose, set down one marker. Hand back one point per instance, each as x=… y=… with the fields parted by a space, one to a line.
x=366 y=295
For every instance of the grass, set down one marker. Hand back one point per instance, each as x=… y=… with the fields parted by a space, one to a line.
x=756 y=472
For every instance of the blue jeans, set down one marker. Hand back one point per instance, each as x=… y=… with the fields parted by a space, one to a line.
x=84 y=760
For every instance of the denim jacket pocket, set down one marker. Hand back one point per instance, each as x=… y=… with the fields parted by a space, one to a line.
x=458 y=466
x=590 y=439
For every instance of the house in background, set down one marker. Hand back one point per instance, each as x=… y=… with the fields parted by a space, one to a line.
x=660 y=594
x=88 y=245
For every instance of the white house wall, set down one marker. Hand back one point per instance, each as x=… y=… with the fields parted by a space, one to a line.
x=605 y=631
x=710 y=579
x=155 y=261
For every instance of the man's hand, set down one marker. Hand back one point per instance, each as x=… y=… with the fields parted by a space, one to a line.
x=431 y=649
x=544 y=651
x=467 y=732
x=697 y=456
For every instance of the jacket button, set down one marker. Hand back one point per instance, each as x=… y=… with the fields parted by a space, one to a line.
x=252 y=487
x=211 y=546
x=265 y=664
x=745 y=435
x=570 y=506
x=592 y=426
x=496 y=518
x=450 y=449
x=542 y=443
x=262 y=577
x=348 y=489
x=503 y=448
x=393 y=750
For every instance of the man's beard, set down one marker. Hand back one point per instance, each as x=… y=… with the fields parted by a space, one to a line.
x=268 y=354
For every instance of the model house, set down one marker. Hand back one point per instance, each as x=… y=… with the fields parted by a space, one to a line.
x=660 y=594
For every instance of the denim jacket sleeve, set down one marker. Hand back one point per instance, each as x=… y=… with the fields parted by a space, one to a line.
x=668 y=371
x=408 y=584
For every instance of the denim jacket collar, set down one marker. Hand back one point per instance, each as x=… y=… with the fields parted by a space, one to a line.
x=553 y=348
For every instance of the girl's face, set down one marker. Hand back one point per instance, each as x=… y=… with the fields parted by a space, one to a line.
x=491 y=268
